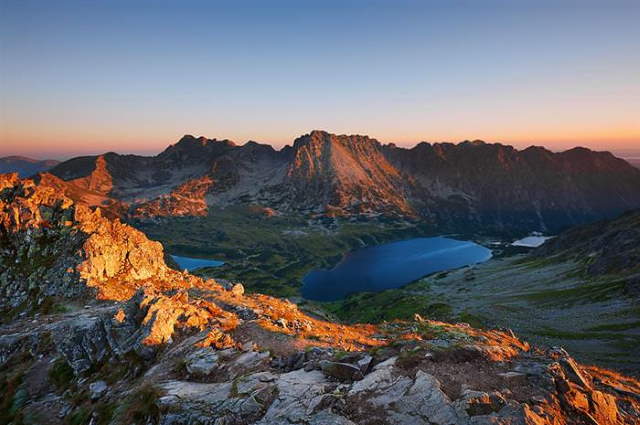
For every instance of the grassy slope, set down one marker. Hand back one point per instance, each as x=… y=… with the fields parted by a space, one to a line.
x=549 y=303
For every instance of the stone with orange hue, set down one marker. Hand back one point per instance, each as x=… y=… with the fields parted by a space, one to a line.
x=237 y=289
x=188 y=199
x=120 y=316
x=109 y=257
x=165 y=314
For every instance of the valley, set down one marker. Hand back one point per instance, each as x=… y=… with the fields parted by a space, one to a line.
x=98 y=247
x=97 y=328
x=272 y=254
x=273 y=216
x=551 y=301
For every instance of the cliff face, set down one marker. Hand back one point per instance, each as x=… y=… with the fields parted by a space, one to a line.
x=181 y=350
x=345 y=172
x=188 y=199
x=471 y=185
x=49 y=243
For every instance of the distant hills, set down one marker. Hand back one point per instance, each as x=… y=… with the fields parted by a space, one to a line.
x=24 y=166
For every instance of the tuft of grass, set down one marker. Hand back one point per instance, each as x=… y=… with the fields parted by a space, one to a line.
x=11 y=395
x=79 y=416
x=339 y=355
x=105 y=412
x=140 y=406
x=61 y=374
x=49 y=305
x=474 y=320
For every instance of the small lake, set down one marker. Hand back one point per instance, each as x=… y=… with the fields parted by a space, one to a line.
x=390 y=265
x=195 y=263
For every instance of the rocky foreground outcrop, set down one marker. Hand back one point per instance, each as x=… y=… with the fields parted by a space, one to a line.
x=163 y=347
x=51 y=246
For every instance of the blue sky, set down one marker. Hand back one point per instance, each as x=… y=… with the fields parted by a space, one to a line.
x=133 y=76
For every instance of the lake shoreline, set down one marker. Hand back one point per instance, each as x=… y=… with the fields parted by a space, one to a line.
x=390 y=266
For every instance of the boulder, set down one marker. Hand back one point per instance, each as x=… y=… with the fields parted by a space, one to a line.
x=202 y=362
x=344 y=372
x=237 y=289
x=98 y=389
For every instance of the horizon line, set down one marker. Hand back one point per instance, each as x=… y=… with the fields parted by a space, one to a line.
x=278 y=146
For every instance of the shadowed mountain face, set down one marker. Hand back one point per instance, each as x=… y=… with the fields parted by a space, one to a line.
x=605 y=246
x=25 y=167
x=497 y=185
x=469 y=185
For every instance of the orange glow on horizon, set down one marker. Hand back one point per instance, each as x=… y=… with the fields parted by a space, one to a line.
x=61 y=144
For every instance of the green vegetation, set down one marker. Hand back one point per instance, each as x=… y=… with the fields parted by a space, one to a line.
x=430 y=331
x=568 y=335
x=591 y=292
x=534 y=296
x=12 y=396
x=50 y=305
x=536 y=262
x=79 y=416
x=402 y=304
x=375 y=307
x=30 y=307
x=271 y=255
x=61 y=374
x=105 y=412
x=140 y=406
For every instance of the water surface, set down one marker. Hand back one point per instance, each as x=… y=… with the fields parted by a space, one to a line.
x=390 y=265
x=195 y=263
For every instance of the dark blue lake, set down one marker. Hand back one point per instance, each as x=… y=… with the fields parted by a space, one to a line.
x=390 y=265
x=195 y=263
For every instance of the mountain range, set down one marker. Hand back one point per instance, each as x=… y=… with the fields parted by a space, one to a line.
x=472 y=185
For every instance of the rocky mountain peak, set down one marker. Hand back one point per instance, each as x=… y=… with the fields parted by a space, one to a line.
x=195 y=148
x=348 y=173
x=321 y=137
x=189 y=140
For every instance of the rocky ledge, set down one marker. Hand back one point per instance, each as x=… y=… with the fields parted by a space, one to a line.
x=140 y=343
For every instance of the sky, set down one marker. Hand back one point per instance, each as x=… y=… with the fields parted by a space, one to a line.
x=80 y=77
